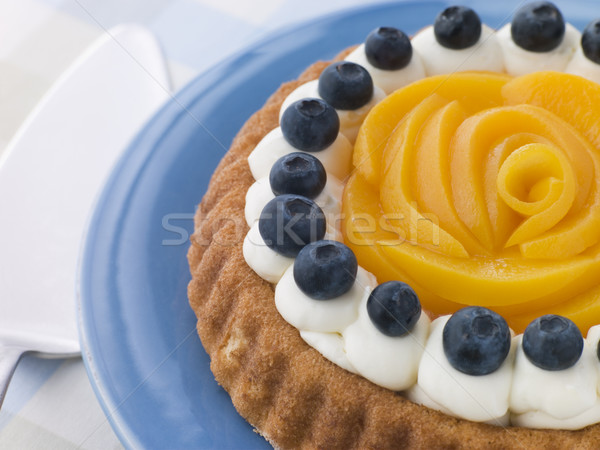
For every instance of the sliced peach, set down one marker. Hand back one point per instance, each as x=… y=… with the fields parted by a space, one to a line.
x=474 y=90
x=503 y=219
x=396 y=196
x=583 y=309
x=431 y=174
x=573 y=98
x=488 y=283
x=537 y=181
x=478 y=189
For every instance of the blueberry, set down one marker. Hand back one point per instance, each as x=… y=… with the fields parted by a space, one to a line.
x=325 y=269
x=476 y=340
x=552 y=342
x=457 y=27
x=289 y=222
x=345 y=85
x=394 y=308
x=388 y=48
x=298 y=173
x=538 y=27
x=590 y=41
x=310 y=124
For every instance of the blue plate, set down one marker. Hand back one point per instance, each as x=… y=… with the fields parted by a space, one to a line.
x=141 y=349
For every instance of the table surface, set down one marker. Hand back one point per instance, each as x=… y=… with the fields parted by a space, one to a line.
x=50 y=403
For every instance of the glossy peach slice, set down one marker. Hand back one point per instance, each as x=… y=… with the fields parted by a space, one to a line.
x=471 y=89
x=478 y=189
x=573 y=98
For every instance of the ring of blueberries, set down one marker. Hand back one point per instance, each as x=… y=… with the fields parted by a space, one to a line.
x=476 y=340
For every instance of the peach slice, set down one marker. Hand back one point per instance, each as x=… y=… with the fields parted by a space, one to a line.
x=474 y=91
x=480 y=189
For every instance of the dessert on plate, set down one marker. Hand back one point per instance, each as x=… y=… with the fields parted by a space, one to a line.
x=405 y=243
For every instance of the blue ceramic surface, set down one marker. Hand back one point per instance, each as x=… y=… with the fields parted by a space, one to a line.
x=141 y=349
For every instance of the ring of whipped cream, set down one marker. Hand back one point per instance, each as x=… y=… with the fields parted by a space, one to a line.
x=518 y=393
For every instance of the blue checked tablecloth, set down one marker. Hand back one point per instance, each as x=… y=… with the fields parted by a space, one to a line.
x=50 y=403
